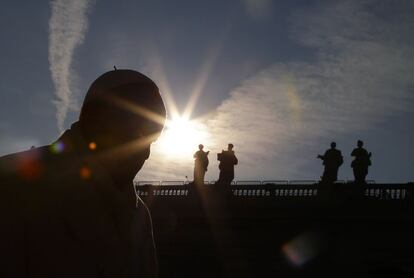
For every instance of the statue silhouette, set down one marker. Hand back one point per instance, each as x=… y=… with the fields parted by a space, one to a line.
x=361 y=162
x=200 y=165
x=227 y=161
x=69 y=209
x=332 y=160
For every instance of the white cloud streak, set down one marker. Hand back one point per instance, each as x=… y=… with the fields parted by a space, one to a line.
x=361 y=76
x=67 y=27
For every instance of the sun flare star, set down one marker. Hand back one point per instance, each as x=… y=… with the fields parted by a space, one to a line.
x=181 y=137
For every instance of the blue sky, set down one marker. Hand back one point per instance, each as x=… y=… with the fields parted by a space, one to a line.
x=282 y=79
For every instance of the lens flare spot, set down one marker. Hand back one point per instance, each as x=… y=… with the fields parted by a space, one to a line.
x=57 y=147
x=30 y=166
x=85 y=172
x=92 y=146
x=301 y=249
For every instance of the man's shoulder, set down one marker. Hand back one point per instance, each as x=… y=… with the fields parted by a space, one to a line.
x=41 y=166
x=25 y=165
x=21 y=174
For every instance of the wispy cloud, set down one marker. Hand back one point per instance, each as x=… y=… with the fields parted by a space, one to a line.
x=67 y=26
x=362 y=75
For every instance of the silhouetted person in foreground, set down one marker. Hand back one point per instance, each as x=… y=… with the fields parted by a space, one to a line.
x=227 y=161
x=332 y=160
x=69 y=209
x=200 y=165
x=361 y=162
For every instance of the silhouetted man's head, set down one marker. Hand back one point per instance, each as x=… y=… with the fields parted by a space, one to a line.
x=333 y=145
x=122 y=114
x=360 y=143
x=200 y=147
x=230 y=147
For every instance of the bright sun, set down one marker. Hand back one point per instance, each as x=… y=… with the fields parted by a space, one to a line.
x=181 y=137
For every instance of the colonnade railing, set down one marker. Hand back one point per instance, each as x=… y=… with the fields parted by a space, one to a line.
x=241 y=182
x=301 y=189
